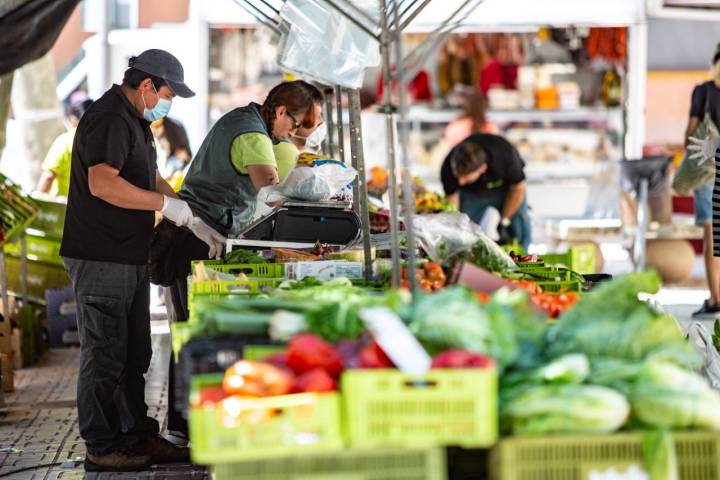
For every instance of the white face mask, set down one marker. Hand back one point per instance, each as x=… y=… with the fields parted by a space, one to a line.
x=315 y=139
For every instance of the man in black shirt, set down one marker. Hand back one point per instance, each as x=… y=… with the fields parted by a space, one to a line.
x=115 y=189
x=486 y=171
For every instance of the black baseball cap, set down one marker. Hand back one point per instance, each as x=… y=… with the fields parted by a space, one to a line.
x=164 y=65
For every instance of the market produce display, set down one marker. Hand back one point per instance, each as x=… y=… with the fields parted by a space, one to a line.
x=636 y=354
x=537 y=355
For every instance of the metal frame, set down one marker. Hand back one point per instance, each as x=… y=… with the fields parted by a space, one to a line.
x=395 y=16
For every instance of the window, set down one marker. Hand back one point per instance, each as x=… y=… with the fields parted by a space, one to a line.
x=121 y=14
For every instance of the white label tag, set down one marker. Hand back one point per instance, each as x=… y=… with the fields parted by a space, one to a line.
x=396 y=340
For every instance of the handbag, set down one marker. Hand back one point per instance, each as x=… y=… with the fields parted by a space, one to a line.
x=695 y=172
x=171 y=252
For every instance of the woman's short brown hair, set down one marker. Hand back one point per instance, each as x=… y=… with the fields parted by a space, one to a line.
x=297 y=96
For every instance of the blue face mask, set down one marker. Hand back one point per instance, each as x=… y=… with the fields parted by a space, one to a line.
x=159 y=111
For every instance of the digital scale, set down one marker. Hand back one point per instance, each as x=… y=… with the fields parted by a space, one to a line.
x=297 y=222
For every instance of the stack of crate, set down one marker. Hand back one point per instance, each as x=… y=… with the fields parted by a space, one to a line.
x=44 y=266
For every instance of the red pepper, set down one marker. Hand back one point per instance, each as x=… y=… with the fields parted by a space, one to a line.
x=316 y=380
x=373 y=356
x=307 y=352
x=462 y=359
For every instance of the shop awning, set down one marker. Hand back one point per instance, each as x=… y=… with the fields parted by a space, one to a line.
x=29 y=29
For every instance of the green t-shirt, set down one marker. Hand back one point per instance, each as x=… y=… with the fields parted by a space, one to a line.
x=286 y=155
x=252 y=149
x=58 y=160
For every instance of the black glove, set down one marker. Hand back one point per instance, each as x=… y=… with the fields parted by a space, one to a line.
x=504 y=234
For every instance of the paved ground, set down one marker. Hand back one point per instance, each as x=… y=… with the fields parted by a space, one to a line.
x=40 y=424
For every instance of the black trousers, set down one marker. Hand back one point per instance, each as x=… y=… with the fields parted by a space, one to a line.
x=113 y=312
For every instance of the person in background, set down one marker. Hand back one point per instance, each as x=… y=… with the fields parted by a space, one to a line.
x=115 y=190
x=706 y=99
x=486 y=171
x=177 y=145
x=304 y=139
x=55 y=177
x=473 y=119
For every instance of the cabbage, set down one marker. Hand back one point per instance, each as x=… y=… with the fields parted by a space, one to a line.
x=668 y=396
x=566 y=408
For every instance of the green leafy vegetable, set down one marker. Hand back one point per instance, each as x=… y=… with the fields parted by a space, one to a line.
x=505 y=329
x=242 y=256
x=665 y=395
x=566 y=408
x=613 y=323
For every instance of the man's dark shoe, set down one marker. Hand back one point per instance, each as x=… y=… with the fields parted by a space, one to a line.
x=163 y=451
x=707 y=310
x=177 y=438
x=121 y=460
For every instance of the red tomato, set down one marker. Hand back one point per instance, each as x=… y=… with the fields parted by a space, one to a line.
x=316 y=380
x=208 y=397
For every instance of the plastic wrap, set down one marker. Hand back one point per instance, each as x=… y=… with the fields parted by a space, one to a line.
x=703 y=341
x=323 y=44
x=449 y=234
x=317 y=184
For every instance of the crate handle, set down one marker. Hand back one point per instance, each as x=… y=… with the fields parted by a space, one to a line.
x=246 y=271
x=421 y=383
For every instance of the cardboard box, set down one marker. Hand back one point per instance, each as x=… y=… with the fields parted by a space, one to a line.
x=8 y=379
x=323 y=270
x=16 y=340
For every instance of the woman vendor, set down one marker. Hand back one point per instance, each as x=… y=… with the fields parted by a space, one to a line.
x=234 y=162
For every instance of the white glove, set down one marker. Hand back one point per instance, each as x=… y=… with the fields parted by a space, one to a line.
x=177 y=211
x=213 y=239
x=704 y=149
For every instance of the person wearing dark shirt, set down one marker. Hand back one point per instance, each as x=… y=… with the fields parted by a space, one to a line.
x=706 y=99
x=115 y=189
x=486 y=171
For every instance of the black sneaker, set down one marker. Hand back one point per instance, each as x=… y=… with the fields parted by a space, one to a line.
x=707 y=310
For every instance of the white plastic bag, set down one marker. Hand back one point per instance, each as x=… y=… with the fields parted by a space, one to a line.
x=449 y=234
x=323 y=44
x=702 y=340
x=317 y=184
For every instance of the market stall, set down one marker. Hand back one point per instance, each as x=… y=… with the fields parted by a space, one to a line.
x=310 y=360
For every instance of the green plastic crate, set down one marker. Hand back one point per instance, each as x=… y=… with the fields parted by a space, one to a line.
x=260 y=352
x=303 y=423
x=50 y=218
x=570 y=286
x=580 y=258
x=229 y=287
x=386 y=408
x=575 y=457
x=40 y=277
x=39 y=247
x=393 y=464
x=249 y=269
x=17 y=211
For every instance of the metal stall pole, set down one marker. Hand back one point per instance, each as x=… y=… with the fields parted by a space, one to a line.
x=640 y=246
x=4 y=288
x=358 y=163
x=330 y=122
x=23 y=269
x=390 y=139
x=407 y=190
x=340 y=124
